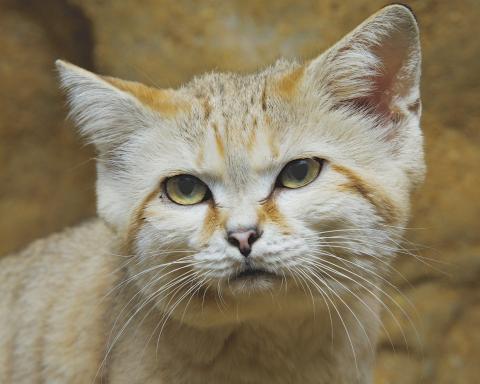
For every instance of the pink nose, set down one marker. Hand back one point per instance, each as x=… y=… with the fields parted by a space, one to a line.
x=243 y=240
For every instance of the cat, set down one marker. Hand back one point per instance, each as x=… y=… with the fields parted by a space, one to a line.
x=246 y=224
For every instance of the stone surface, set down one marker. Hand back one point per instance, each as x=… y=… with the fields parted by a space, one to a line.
x=460 y=348
x=46 y=179
x=46 y=184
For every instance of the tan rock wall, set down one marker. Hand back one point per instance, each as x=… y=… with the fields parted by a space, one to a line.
x=46 y=178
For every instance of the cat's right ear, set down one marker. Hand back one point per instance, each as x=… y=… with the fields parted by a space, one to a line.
x=109 y=110
x=104 y=114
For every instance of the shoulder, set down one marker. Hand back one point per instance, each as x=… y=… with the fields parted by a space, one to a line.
x=75 y=247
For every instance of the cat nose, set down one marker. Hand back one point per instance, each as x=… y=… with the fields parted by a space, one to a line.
x=243 y=239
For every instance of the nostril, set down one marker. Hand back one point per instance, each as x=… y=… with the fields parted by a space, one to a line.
x=243 y=240
x=233 y=240
x=252 y=238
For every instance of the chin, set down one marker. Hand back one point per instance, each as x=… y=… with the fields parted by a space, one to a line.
x=251 y=282
x=248 y=297
x=251 y=286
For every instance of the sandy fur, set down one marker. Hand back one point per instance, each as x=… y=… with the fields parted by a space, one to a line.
x=148 y=292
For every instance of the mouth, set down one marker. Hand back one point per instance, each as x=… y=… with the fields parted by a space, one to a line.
x=250 y=273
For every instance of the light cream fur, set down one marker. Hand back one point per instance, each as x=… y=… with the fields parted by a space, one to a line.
x=147 y=293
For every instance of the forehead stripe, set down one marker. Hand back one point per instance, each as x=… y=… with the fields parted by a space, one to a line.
x=288 y=84
x=218 y=141
x=165 y=101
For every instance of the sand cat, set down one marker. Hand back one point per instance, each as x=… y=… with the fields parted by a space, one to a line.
x=246 y=224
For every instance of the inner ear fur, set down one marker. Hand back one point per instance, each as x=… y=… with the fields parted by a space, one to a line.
x=375 y=68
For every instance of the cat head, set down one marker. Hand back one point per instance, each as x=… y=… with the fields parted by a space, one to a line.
x=232 y=187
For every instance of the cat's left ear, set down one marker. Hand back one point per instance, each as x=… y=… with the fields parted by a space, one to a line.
x=376 y=68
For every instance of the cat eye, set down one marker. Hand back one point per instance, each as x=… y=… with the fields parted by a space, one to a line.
x=186 y=190
x=298 y=173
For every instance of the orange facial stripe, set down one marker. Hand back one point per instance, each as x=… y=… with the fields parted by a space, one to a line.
x=213 y=220
x=378 y=199
x=165 y=101
x=287 y=85
x=137 y=220
x=269 y=212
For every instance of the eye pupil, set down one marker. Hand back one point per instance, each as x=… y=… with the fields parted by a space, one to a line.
x=186 y=185
x=299 y=170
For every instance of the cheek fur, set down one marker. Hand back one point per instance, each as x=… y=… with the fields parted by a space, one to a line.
x=170 y=223
x=268 y=213
x=213 y=220
x=344 y=196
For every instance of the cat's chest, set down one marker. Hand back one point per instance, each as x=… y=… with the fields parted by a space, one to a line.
x=253 y=369
x=245 y=356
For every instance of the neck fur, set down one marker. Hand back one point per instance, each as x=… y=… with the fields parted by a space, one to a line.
x=298 y=349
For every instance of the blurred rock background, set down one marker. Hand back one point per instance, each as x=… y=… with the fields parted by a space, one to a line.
x=47 y=176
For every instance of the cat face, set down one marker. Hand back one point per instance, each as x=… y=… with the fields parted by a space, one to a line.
x=234 y=189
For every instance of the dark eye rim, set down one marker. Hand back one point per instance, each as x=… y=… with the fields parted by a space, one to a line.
x=278 y=182
x=207 y=197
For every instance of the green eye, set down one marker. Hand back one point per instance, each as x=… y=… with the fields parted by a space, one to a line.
x=299 y=173
x=186 y=190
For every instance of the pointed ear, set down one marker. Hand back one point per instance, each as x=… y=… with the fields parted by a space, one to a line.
x=108 y=110
x=376 y=68
x=103 y=113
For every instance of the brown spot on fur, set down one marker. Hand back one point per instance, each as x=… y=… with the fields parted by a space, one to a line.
x=288 y=84
x=137 y=220
x=268 y=211
x=165 y=101
x=264 y=96
x=375 y=196
x=207 y=108
x=218 y=141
